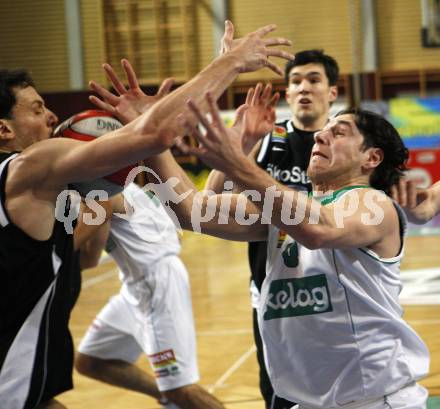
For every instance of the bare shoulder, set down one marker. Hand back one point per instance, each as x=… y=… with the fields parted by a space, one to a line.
x=376 y=208
x=32 y=168
x=381 y=214
x=30 y=195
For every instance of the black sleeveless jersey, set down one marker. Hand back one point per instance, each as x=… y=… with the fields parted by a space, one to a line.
x=285 y=155
x=39 y=285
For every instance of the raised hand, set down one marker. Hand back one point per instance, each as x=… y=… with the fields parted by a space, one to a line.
x=129 y=103
x=235 y=131
x=419 y=204
x=253 y=50
x=219 y=147
x=259 y=116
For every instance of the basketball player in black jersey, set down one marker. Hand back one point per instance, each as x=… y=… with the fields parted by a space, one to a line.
x=285 y=152
x=36 y=252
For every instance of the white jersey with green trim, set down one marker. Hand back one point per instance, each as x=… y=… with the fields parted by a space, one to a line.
x=332 y=324
x=139 y=239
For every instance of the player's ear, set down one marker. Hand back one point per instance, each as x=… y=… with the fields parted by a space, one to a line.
x=333 y=93
x=374 y=158
x=287 y=95
x=6 y=132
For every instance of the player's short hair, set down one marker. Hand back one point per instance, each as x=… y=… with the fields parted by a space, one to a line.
x=8 y=81
x=305 y=57
x=379 y=133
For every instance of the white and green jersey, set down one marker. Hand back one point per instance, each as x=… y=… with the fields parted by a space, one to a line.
x=332 y=324
x=139 y=240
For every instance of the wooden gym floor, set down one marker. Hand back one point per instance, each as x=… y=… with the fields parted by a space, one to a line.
x=219 y=278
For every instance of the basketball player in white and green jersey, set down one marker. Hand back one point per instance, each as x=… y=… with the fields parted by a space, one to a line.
x=329 y=314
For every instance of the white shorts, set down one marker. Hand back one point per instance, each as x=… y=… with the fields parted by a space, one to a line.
x=412 y=396
x=162 y=327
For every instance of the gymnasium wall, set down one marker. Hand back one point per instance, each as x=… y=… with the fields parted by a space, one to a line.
x=399 y=25
x=308 y=24
x=93 y=40
x=33 y=34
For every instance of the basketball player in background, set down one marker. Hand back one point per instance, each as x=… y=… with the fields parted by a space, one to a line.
x=36 y=251
x=152 y=312
x=284 y=153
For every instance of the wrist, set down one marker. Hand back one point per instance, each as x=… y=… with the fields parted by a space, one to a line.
x=233 y=60
x=248 y=145
x=242 y=171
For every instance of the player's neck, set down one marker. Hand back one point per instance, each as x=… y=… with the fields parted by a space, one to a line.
x=10 y=147
x=331 y=184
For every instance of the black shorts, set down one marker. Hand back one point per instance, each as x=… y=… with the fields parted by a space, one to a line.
x=53 y=367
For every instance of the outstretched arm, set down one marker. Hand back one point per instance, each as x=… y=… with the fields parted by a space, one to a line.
x=420 y=205
x=259 y=119
x=39 y=173
x=53 y=163
x=246 y=54
x=368 y=219
x=228 y=216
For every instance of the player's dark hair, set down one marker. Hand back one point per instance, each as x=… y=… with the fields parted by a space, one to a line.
x=314 y=57
x=379 y=133
x=8 y=81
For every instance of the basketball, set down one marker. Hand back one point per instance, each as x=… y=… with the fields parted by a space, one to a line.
x=86 y=126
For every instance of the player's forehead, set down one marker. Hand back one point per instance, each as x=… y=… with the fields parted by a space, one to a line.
x=27 y=95
x=345 y=121
x=311 y=69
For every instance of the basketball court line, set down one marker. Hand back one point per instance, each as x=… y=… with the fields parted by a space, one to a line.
x=236 y=365
x=224 y=332
x=99 y=278
x=424 y=322
x=233 y=368
x=420 y=286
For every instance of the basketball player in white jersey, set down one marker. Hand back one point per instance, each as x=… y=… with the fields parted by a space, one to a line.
x=311 y=80
x=329 y=315
x=152 y=312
